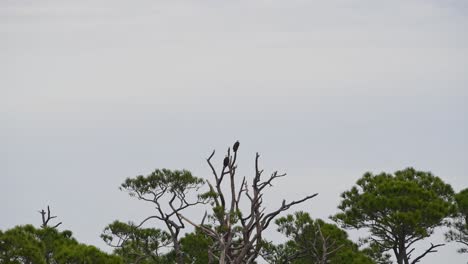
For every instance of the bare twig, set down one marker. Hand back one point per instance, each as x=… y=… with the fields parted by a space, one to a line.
x=46 y=217
x=429 y=250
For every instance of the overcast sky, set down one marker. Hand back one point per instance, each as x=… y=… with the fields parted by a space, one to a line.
x=92 y=92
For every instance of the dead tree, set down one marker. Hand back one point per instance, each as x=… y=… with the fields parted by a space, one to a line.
x=237 y=236
x=46 y=217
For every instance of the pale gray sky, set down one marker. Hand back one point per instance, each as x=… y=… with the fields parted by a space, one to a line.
x=97 y=91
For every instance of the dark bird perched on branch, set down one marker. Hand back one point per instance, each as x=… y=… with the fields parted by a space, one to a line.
x=236 y=146
x=226 y=161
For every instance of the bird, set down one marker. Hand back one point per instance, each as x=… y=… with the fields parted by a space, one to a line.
x=226 y=161
x=236 y=146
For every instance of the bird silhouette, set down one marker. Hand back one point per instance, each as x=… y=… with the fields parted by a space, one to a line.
x=226 y=161
x=236 y=146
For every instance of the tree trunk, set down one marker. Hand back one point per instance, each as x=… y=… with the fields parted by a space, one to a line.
x=179 y=256
x=222 y=257
x=398 y=255
x=399 y=259
x=402 y=258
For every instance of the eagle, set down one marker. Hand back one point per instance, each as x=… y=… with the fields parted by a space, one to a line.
x=236 y=146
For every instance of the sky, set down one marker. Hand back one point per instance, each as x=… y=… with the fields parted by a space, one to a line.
x=93 y=92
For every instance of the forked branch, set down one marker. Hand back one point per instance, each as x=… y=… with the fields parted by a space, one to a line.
x=46 y=217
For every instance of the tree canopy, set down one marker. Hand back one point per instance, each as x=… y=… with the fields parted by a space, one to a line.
x=137 y=245
x=29 y=245
x=169 y=191
x=398 y=209
x=313 y=242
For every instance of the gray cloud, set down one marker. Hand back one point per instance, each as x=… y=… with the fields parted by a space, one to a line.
x=96 y=91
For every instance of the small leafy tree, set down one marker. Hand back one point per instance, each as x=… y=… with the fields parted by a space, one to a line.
x=313 y=241
x=238 y=235
x=169 y=191
x=398 y=209
x=28 y=245
x=136 y=245
x=459 y=231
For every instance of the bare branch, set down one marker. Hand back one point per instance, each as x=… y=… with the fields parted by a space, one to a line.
x=46 y=219
x=429 y=250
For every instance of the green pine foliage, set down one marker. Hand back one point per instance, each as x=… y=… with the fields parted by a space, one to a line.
x=313 y=242
x=28 y=245
x=136 y=245
x=398 y=209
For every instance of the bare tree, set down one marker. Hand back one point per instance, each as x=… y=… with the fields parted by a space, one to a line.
x=238 y=237
x=46 y=217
